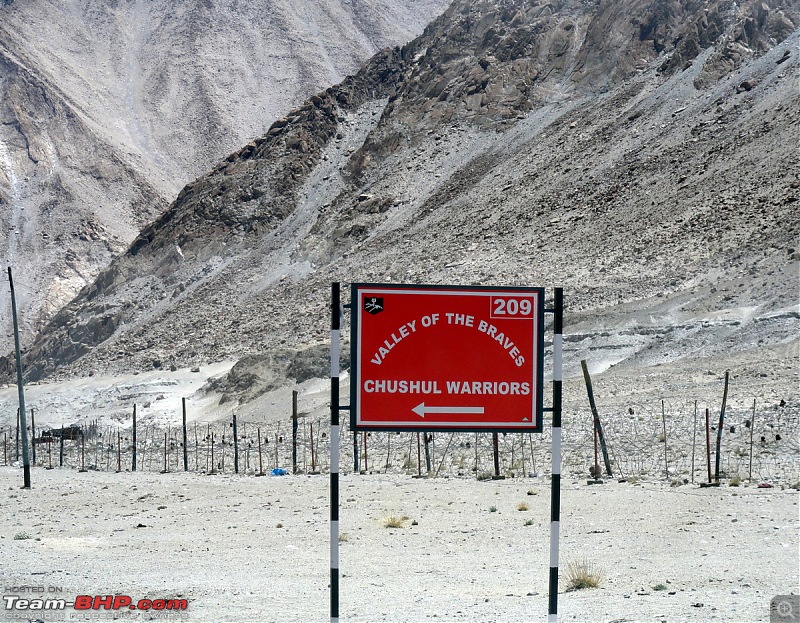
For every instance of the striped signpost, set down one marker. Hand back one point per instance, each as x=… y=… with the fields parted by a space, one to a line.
x=478 y=367
x=335 y=407
x=555 y=488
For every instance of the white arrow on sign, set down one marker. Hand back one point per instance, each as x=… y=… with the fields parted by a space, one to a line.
x=421 y=409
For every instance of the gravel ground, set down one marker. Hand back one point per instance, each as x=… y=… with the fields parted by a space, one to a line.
x=242 y=549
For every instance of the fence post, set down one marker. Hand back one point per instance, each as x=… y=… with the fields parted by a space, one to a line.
x=708 y=446
x=313 y=450
x=294 y=431
x=752 y=426
x=260 y=460
x=83 y=454
x=33 y=436
x=355 y=452
x=165 y=454
x=235 y=447
x=366 y=464
x=694 y=438
x=496 y=454
x=185 y=438
x=133 y=440
x=419 y=458
x=664 y=423
x=719 y=428
x=119 y=452
x=426 y=439
x=61 y=449
x=598 y=426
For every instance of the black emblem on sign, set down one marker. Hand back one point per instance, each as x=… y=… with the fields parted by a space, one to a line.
x=373 y=305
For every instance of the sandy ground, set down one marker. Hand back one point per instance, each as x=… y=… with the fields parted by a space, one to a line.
x=242 y=549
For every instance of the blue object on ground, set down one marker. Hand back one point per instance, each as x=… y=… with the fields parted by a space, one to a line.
x=279 y=472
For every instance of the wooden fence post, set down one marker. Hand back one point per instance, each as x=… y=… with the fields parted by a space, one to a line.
x=719 y=428
x=598 y=426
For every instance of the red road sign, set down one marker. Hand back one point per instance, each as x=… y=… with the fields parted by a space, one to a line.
x=446 y=357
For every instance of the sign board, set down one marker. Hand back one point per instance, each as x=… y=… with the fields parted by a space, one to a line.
x=446 y=358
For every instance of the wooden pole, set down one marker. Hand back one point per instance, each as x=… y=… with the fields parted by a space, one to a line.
x=61 y=449
x=598 y=426
x=196 y=450
x=721 y=425
x=119 y=452
x=355 y=452
x=366 y=465
x=5 y=448
x=388 y=451
x=752 y=426
x=166 y=469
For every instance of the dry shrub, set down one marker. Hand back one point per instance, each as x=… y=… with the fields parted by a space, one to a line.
x=394 y=522
x=584 y=574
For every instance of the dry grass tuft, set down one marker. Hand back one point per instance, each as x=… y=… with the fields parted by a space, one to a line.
x=584 y=574
x=394 y=522
x=522 y=506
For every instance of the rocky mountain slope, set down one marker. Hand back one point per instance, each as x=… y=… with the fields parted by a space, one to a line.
x=643 y=155
x=108 y=109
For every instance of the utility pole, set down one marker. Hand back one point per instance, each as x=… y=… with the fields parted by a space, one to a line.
x=26 y=466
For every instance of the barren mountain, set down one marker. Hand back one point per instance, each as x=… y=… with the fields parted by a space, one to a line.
x=108 y=109
x=643 y=155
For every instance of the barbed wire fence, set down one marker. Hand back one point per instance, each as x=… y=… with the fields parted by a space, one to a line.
x=652 y=440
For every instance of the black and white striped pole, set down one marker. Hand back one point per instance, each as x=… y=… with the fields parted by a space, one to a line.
x=555 y=491
x=334 y=443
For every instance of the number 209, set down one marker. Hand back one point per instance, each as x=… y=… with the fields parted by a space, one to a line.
x=511 y=307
